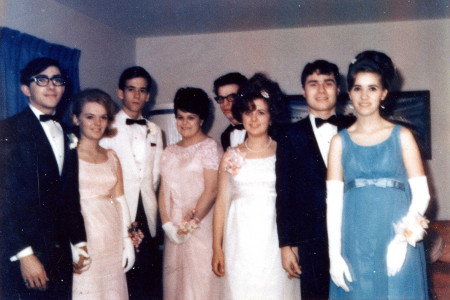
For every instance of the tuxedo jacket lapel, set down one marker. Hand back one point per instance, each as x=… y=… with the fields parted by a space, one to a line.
x=33 y=132
x=313 y=145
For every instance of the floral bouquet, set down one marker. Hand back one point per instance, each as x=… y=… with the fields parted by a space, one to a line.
x=136 y=235
x=235 y=161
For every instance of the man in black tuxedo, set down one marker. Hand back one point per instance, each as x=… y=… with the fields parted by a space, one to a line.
x=226 y=88
x=40 y=202
x=301 y=174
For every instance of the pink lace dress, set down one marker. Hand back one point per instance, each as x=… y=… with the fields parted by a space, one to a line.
x=187 y=267
x=105 y=279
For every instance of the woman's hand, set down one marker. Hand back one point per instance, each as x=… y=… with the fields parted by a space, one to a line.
x=218 y=263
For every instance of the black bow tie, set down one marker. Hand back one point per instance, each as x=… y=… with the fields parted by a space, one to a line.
x=136 y=121
x=236 y=127
x=45 y=118
x=333 y=120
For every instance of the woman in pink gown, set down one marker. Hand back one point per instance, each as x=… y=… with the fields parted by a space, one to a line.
x=103 y=205
x=187 y=194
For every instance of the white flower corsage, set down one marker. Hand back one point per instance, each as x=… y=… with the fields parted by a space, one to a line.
x=73 y=141
x=152 y=129
x=235 y=161
x=412 y=228
x=187 y=227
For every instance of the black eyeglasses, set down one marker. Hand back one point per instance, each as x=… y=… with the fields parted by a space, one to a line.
x=43 y=80
x=229 y=98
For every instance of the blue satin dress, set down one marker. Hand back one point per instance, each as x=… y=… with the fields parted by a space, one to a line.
x=376 y=196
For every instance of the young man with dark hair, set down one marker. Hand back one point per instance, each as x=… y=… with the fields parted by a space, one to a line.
x=139 y=145
x=301 y=170
x=226 y=88
x=40 y=198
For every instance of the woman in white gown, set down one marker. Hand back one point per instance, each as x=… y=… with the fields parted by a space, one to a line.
x=245 y=239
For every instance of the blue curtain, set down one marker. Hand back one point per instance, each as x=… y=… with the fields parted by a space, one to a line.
x=16 y=50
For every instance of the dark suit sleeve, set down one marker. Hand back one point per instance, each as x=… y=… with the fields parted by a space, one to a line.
x=73 y=220
x=285 y=204
x=18 y=210
x=225 y=138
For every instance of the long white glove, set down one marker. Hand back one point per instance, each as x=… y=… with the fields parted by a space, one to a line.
x=171 y=232
x=397 y=248
x=339 y=270
x=128 y=256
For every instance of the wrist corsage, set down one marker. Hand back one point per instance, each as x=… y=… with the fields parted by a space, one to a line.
x=136 y=235
x=412 y=228
x=235 y=161
x=189 y=224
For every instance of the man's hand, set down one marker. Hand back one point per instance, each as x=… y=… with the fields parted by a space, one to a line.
x=289 y=260
x=33 y=273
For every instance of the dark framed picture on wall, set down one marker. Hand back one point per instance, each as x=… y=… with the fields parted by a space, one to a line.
x=410 y=109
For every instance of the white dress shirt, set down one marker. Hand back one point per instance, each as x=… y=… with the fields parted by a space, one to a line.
x=323 y=135
x=237 y=137
x=137 y=137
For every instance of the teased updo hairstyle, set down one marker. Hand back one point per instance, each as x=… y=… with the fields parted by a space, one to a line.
x=261 y=87
x=373 y=62
x=100 y=97
x=192 y=100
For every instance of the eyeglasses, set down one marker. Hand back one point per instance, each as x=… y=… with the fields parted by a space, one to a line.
x=43 y=80
x=229 y=98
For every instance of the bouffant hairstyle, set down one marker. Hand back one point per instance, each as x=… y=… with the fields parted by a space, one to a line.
x=229 y=78
x=261 y=87
x=36 y=66
x=192 y=100
x=134 y=72
x=372 y=62
x=322 y=67
x=100 y=97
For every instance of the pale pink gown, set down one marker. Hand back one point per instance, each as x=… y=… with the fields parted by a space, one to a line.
x=105 y=279
x=187 y=267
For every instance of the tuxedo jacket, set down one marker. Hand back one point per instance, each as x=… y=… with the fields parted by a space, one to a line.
x=134 y=181
x=40 y=207
x=301 y=185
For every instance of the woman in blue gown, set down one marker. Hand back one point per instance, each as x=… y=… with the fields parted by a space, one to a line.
x=377 y=194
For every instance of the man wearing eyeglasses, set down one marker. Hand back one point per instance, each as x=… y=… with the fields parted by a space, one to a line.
x=226 y=88
x=40 y=198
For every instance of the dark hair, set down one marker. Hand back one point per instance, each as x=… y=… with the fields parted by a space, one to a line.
x=229 y=78
x=372 y=62
x=100 y=97
x=134 y=72
x=192 y=100
x=261 y=87
x=322 y=67
x=35 y=67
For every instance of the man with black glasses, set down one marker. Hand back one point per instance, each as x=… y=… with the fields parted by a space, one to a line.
x=40 y=205
x=226 y=88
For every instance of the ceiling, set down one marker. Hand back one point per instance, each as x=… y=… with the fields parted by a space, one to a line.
x=180 y=17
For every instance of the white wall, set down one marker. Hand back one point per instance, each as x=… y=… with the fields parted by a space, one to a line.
x=420 y=49
x=104 y=52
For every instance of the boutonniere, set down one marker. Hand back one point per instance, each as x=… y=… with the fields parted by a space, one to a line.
x=152 y=129
x=73 y=141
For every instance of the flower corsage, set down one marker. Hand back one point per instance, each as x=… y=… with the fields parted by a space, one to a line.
x=73 y=141
x=136 y=235
x=189 y=224
x=412 y=228
x=235 y=161
x=152 y=129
